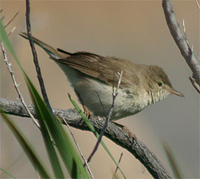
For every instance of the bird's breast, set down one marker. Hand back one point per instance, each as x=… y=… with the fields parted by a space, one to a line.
x=98 y=97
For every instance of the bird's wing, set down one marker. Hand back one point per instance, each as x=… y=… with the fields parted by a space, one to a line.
x=106 y=69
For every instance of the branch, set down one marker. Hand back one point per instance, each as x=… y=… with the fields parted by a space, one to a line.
x=79 y=150
x=16 y=86
x=181 y=40
x=120 y=158
x=114 y=133
x=114 y=95
x=35 y=58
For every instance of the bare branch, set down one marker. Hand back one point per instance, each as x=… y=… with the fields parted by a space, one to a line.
x=11 y=19
x=16 y=85
x=13 y=29
x=35 y=58
x=181 y=41
x=115 y=93
x=195 y=84
x=112 y=131
x=9 y=22
x=79 y=149
x=2 y=18
x=120 y=158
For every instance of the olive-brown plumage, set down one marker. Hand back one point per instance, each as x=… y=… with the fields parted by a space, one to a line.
x=93 y=77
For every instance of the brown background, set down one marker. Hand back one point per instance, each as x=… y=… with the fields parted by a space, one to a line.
x=134 y=30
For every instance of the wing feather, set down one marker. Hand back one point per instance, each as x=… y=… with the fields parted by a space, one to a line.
x=106 y=69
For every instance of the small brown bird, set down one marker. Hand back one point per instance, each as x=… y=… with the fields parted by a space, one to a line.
x=93 y=78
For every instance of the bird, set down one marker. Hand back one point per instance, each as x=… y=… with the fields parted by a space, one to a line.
x=94 y=77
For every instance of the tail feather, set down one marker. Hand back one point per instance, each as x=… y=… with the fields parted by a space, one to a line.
x=52 y=52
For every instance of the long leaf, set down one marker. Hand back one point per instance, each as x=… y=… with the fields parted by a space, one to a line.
x=54 y=129
x=7 y=173
x=65 y=147
x=51 y=152
x=52 y=155
x=27 y=148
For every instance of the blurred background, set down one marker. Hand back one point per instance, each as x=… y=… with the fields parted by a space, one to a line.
x=133 y=30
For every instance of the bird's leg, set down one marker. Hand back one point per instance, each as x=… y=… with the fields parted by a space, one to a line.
x=87 y=112
x=124 y=128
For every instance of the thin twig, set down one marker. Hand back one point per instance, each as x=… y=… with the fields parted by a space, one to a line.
x=13 y=29
x=180 y=40
x=35 y=59
x=79 y=149
x=108 y=117
x=120 y=158
x=16 y=85
x=11 y=20
x=194 y=84
x=2 y=18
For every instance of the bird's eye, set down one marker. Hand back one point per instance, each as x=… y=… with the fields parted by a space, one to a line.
x=160 y=84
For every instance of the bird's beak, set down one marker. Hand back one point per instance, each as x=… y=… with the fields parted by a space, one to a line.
x=172 y=91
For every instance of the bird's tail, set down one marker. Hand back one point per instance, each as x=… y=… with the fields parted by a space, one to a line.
x=52 y=52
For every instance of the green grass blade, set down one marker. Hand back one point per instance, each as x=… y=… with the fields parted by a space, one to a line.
x=51 y=152
x=42 y=114
x=172 y=161
x=26 y=147
x=72 y=163
x=54 y=161
x=7 y=173
x=64 y=145
x=91 y=127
